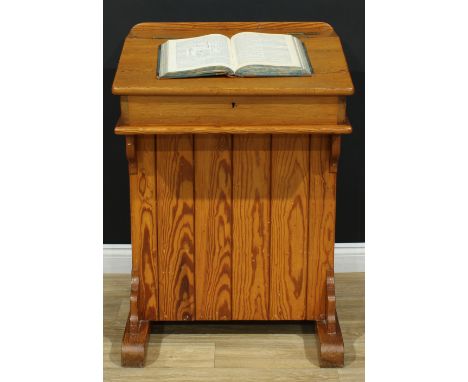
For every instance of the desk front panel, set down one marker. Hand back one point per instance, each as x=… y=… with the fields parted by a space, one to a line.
x=232 y=227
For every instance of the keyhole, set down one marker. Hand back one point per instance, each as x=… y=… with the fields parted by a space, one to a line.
x=233 y=104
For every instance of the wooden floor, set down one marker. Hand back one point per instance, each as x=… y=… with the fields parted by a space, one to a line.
x=235 y=352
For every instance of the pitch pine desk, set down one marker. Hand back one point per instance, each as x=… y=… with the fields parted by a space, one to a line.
x=232 y=187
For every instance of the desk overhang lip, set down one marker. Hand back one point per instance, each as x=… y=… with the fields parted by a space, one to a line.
x=140 y=129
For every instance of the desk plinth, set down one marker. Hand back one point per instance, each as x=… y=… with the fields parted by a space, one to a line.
x=232 y=187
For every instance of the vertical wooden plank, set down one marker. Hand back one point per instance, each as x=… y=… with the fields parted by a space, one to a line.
x=251 y=227
x=289 y=226
x=175 y=227
x=143 y=222
x=321 y=225
x=213 y=242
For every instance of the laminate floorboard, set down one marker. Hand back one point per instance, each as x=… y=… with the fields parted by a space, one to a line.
x=221 y=352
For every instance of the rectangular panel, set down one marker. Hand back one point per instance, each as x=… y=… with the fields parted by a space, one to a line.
x=213 y=241
x=143 y=222
x=321 y=224
x=225 y=111
x=251 y=228
x=289 y=226
x=175 y=227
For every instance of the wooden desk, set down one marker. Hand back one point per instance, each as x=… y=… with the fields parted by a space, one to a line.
x=232 y=187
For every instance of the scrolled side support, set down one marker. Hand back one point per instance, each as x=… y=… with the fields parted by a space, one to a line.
x=137 y=329
x=329 y=337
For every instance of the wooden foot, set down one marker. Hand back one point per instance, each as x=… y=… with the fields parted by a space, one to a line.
x=331 y=347
x=136 y=335
x=134 y=344
x=329 y=338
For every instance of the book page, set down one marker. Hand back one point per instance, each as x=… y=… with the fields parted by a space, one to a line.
x=265 y=49
x=198 y=52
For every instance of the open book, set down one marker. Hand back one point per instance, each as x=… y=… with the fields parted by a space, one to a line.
x=246 y=54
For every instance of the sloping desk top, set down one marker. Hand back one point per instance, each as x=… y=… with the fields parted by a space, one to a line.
x=154 y=106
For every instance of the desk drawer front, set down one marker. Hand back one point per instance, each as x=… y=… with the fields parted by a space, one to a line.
x=222 y=111
x=233 y=227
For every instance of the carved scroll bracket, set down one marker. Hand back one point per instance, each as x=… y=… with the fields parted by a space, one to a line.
x=335 y=152
x=331 y=303
x=134 y=318
x=136 y=335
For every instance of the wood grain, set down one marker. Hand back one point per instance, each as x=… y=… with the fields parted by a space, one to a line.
x=135 y=338
x=176 y=227
x=124 y=129
x=134 y=344
x=341 y=115
x=329 y=337
x=232 y=110
x=335 y=149
x=289 y=226
x=184 y=29
x=213 y=235
x=331 y=303
x=330 y=346
x=251 y=227
x=143 y=225
x=321 y=224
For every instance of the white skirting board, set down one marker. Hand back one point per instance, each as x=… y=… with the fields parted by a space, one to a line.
x=349 y=257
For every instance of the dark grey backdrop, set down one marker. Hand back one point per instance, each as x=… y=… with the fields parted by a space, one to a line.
x=345 y=16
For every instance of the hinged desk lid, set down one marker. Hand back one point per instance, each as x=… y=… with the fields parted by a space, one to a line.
x=136 y=73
